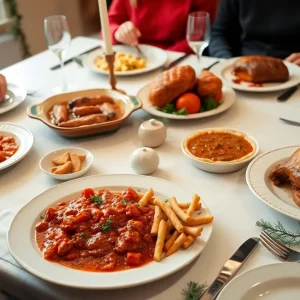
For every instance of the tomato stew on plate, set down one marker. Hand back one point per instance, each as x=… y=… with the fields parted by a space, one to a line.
x=99 y=231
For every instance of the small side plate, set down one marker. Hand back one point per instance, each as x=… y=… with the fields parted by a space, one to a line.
x=16 y=95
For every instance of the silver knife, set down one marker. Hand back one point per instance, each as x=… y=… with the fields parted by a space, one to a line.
x=230 y=268
x=175 y=62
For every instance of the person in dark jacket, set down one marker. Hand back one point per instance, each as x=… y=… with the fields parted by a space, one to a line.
x=257 y=27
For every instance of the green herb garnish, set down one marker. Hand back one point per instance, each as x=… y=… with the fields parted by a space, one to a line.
x=105 y=227
x=171 y=109
x=83 y=235
x=193 y=290
x=124 y=202
x=208 y=103
x=278 y=232
x=166 y=200
x=137 y=205
x=96 y=199
x=41 y=217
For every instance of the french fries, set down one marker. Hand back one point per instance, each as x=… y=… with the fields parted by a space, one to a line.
x=199 y=220
x=170 y=214
x=173 y=227
x=177 y=244
x=161 y=236
x=144 y=200
x=178 y=211
x=158 y=215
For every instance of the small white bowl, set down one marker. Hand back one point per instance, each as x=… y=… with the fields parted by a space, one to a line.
x=219 y=166
x=46 y=163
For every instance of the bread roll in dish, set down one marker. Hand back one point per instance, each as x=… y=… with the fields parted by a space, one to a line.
x=170 y=84
x=207 y=84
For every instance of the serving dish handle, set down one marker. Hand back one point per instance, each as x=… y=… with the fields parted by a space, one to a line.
x=137 y=104
x=35 y=111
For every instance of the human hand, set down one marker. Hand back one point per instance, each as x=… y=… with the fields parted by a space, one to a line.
x=3 y=87
x=294 y=58
x=127 y=34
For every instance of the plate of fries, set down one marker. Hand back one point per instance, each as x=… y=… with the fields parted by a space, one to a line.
x=127 y=60
x=179 y=230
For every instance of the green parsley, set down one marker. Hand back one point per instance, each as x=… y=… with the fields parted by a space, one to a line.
x=105 y=227
x=209 y=103
x=171 y=109
x=83 y=235
x=124 y=202
x=96 y=199
x=199 y=213
x=166 y=200
x=41 y=217
x=137 y=205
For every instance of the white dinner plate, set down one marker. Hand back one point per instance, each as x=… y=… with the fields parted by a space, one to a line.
x=227 y=101
x=16 y=95
x=257 y=177
x=224 y=70
x=22 y=136
x=271 y=282
x=23 y=248
x=155 y=57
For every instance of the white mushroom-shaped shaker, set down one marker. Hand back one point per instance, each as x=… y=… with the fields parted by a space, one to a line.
x=144 y=161
x=152 y=133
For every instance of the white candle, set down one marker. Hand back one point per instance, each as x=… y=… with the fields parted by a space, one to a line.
x=105 y=27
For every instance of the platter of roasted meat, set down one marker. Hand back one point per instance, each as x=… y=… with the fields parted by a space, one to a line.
x=258 y=73
x=85 y=112
x=274 y=178
x=179 y=93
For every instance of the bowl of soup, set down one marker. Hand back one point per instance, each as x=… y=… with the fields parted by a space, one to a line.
x=219 y=150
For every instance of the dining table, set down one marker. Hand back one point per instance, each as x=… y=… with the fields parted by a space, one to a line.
x=234 y=207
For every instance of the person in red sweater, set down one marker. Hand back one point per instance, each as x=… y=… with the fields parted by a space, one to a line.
x=161 y=23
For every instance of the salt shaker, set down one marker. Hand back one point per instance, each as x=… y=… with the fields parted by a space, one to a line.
x=152 y=133
x=144 y=161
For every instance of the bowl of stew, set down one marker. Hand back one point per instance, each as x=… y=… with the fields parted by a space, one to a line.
x=219 y=150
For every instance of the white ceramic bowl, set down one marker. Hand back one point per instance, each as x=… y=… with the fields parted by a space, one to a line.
x=219 y=166
x=46 y=163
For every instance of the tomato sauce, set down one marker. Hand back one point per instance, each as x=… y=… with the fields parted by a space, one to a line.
x=219 y=146
x=8 y=147
x=99 y=231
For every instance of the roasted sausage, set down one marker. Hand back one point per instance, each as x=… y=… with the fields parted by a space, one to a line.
x=108 y=110
x=86 y=110
x=60 y=113
x=89 y=101
x=87 y=120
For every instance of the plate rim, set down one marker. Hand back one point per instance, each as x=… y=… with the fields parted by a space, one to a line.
x=110 y=287
x=201 y=115
x=218 y=69
x=275 y=266
x=14 y=105
x=127 y=73
x=14 y=161
x=295 y=216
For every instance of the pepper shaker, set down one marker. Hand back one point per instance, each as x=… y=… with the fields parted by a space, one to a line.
x=152 y=133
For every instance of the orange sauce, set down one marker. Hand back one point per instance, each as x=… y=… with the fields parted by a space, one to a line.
x=8 y=147
x=219 y=146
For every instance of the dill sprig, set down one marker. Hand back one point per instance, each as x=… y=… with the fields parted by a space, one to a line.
x=278 y=232
x=193 y=290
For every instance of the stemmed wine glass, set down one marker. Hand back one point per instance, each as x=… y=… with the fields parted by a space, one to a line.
x=58 y=39
x=198 y=32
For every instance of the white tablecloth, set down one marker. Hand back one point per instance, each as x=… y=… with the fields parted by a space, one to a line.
x=235 y=208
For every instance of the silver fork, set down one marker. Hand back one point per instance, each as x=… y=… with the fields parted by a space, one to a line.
x=279 y=250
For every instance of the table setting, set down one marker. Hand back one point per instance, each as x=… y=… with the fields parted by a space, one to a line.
x=146 y=174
